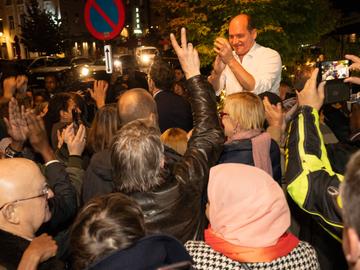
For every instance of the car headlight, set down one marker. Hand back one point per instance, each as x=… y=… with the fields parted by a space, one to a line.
x=85 y=71
x=145 y=59
x=117 y=63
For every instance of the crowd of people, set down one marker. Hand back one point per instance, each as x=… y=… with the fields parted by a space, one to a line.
x=155 y=177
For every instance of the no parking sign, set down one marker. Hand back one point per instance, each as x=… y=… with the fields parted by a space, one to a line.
x=104 y=18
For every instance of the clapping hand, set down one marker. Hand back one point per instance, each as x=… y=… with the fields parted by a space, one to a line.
x=16 y=124
x=188 y=56
x=274 y=114
x=75 y=142
x=223 y=49
x=38 y=137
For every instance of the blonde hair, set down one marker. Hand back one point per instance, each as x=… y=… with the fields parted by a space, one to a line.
x=175 y=138
x=246 y=109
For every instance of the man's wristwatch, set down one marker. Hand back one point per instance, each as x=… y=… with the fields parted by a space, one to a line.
x=11 y=153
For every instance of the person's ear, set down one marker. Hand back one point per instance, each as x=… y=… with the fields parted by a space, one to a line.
x=254 y=34
x=162 y=162
x=351 y=245
x=10 y=213
x=153 y=118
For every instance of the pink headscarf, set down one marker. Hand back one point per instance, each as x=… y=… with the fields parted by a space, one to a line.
x=247 y=207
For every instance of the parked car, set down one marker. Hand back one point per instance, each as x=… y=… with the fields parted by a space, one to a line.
x=59 y=67
x=97 y=68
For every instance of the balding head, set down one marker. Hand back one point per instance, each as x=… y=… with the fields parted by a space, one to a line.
x=243 y=19
x=137 y=103
x=21 y=184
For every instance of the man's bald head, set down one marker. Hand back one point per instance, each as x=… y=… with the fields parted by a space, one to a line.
x=137 y=103
x=17 y=178
x=24 y=206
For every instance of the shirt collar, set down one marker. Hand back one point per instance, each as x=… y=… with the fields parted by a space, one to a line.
x=157 y=92
x=250 y=52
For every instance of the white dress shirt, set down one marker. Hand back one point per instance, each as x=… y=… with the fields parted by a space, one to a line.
x=264 y=64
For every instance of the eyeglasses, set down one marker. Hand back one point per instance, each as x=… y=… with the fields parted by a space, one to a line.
x=44 y=193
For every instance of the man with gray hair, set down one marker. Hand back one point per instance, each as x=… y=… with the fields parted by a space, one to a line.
x=172 y=200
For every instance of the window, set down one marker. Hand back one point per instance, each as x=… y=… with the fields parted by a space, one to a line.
x=11 y=23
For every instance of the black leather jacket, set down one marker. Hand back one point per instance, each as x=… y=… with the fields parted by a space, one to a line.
x=178 y=206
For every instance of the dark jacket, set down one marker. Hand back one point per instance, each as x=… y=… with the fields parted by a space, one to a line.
x=63 y=205
x=178 y=206
x=309 y=176
x=149 y=252
x=240 y=151
x=98 y=176
x=174 y=111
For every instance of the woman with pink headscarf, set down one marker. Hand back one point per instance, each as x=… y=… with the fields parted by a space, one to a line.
x=249 y=218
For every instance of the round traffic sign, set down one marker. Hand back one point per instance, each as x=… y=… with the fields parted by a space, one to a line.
x=104 y=18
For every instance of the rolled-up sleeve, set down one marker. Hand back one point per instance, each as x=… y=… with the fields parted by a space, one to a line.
x=268 y=74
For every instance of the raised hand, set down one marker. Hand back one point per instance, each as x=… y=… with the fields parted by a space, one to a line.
x=9 y=87
x=223 y=48
x=274 y=114
x=354 y=66
x=75 y=142
x=188 y=56
x=311 y=95
x=98 y=94
x=38 y=138
x=16 y=125
x=21 y=83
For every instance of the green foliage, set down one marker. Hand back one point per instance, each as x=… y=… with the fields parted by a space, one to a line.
x=42 y=32
x=283 y=25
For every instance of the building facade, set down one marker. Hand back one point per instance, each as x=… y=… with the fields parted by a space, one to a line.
x=12 y=15
x=80 y=42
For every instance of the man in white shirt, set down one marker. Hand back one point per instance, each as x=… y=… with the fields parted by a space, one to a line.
x=242 y=64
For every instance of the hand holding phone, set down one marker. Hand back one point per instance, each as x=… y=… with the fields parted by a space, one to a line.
x=76 y=120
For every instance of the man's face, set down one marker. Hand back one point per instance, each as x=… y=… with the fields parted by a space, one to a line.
x=240 y=38
x=50 y=83
x=35 y=211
